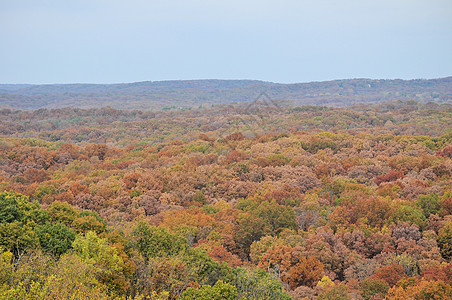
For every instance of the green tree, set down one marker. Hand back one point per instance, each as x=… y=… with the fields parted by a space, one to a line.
x=62 y=212
x=445 y=241
x=70 y=278
x=278 y=217
x=409 y=213
x=55 y=239
x=373 y=286
x=262 y=219
x=258 y=284
x=208 y=270
x=17 y=207
x=104 y=259
x=17 y=238
x=9 y=207
x=249 y=229
x=430 y=204
x=156 y=241
x=220 y=291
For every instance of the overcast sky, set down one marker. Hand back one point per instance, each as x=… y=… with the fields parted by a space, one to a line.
x=109 y=41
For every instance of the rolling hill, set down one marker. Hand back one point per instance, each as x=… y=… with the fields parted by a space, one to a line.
x=185 y=94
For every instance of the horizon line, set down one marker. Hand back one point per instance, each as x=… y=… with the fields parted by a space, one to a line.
x=216 y=79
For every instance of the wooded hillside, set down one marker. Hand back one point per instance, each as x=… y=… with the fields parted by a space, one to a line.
x=226 y=202
x=189 y=94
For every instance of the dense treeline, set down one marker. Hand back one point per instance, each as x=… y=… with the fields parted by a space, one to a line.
x=315 y=202
x=193 y=93
x=112 y=126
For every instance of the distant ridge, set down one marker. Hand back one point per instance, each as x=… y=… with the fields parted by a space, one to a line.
x=193 y=93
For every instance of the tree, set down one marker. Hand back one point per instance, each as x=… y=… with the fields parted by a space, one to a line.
x=17 y=207
x=391 y=274
x=258 y=284
x=430 y=204
x=98 y=150
x=73 y=279
x=335 y=292
x=220 y=254
x=421 y=289
x=131 y=180
x=107 y=265
x=445 y=241
x=35 y=175
x=278 y=217
x=404 y=230
x=89 y=221
x=156 y=241
x=277 y=259
x=220 y=291
x=55 y=239
x=62 y=212
x=249 y=229
x=261 y=219
x=307 y=271
x=18 y=217
x=410 y=214
x=259 y=248
x=373 y=286
x=445 y=152
x=361 y=269
x=9 y=207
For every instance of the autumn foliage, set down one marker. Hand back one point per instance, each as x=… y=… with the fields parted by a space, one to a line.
x=316 y=202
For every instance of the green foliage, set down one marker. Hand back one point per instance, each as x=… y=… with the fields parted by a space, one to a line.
x=5 y=267
x=210 y=209
x=410 y=214
x=9 y=207
x=135 y=193
x=156 y=241
x=260 y=285
x=430 y=204
x=89 y=221
x=409 y=263
x=55 y=239
x=198 y=146
x=44 y=190
x=208 y=270
x=319 y=143
x=277 y=217
x=371 y=287
x=62 y=212
x=445 y=241
x=277 y=160
x=250 y=228
x=103 y=258
x=199 y=197
x=262 y=219
x=17 y=207
x=247 y=204
x=219 y=291
x=17 y=238
x=93 y=249
x=340 y=200
x=69 y=278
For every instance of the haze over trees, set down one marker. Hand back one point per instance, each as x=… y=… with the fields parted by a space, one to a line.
x=226 y=202
x=187 y=94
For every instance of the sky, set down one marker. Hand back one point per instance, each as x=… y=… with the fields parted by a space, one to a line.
x=287 y=41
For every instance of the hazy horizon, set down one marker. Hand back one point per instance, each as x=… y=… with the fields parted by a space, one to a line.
x=226 y=79
x=288 y=41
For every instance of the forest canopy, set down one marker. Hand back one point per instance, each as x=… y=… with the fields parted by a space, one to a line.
x=216 y=203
